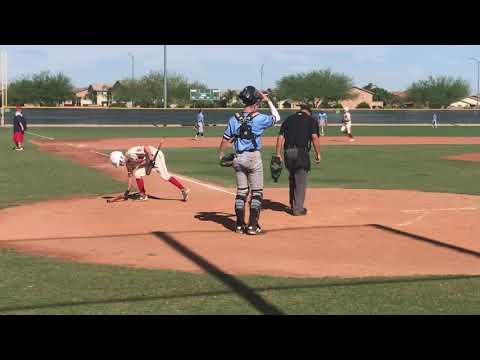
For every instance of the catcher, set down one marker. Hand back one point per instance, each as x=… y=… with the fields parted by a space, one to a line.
x=141 y=161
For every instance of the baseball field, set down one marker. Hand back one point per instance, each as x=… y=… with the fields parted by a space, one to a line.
x=392 y=227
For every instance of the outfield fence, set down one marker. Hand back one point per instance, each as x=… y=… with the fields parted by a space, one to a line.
x=110 y=116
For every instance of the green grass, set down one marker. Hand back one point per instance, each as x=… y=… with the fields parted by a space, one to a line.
x=32 y=175
x=415 y=167
x=41 y=285
x=102 y=132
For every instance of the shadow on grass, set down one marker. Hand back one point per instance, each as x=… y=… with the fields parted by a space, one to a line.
x=134 y=299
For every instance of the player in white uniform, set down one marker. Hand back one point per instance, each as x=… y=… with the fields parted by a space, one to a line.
x=434 y=121
x=322 y=122
x=347 y=124
x=199 y=124
x=135 y=160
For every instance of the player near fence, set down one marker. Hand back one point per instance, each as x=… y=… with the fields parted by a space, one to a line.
x=199 y=125
x=19 y=128
x=322 y=122
x=245 y=129
x=434 y=121
x=140 y=161
x=346 y=127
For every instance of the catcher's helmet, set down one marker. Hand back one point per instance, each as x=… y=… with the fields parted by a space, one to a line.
x=249 y=95
x=116 y=157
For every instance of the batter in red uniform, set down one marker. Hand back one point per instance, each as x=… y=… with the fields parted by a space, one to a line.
x=136 y=158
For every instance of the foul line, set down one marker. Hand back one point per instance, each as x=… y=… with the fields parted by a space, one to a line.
x=45 y=137
x=204 y=185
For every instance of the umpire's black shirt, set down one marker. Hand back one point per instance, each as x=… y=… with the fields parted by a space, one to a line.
x=298 y=129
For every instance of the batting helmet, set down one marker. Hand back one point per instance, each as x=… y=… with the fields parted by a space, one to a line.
x=249 y=95
x=117 y=157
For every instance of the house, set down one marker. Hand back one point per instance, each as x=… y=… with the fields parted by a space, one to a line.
x=81 y=97
x=101 y=94
x=288 y=104
x=466 y=103
x=361 y=95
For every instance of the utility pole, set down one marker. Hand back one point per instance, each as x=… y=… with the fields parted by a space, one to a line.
x=261 y=77
x=164 y=76
x=4 y=85
x=478 y=79
x=133 y=74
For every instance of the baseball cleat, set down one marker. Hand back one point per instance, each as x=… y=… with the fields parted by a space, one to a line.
x=239 y=229
x=254 y=229
x=143 y=197
x=185 y=193
x=302 y=212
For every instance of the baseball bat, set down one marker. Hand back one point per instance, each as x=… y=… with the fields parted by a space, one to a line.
x=116 y=198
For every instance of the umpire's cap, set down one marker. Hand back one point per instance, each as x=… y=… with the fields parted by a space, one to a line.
x=249 y=95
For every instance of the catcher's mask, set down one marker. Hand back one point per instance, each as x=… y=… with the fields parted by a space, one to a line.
x=117 y=158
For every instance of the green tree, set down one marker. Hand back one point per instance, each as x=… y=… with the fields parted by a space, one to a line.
x=363 y=105
x=317 y=84
x=438 y=92
x=42 y=88
x=381 y=94
x=148 y=91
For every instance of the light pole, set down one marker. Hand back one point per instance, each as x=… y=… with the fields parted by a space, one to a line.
x=478 y=78
x=4 y=85
x=133 y=73
x=164 y=76
x=261 y=77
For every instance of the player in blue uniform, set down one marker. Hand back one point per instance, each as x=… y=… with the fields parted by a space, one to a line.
x=244 y=130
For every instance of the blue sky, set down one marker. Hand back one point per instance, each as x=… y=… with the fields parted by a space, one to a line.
x=233 y=66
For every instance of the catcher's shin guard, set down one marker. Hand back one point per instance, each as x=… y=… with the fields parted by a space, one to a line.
x=240 y=209
x=255 y=207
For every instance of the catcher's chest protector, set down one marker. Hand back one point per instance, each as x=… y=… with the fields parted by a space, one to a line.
x=245 y=131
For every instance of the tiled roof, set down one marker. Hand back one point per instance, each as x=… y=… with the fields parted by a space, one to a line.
x=101 y=87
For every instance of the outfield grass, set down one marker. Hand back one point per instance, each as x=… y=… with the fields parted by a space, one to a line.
x=114 y=132
x=32 y=175
x=414 y=167
x=40 y=285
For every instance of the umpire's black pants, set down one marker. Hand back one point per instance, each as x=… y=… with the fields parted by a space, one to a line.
x=297 y=162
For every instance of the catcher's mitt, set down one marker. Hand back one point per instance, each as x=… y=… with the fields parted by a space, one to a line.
x=149 y=167
x=276 y=167
x=227 y=160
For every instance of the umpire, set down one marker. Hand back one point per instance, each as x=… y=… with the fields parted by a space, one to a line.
x=297 y=133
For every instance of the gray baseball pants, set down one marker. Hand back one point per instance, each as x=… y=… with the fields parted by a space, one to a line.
x=248 y=168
